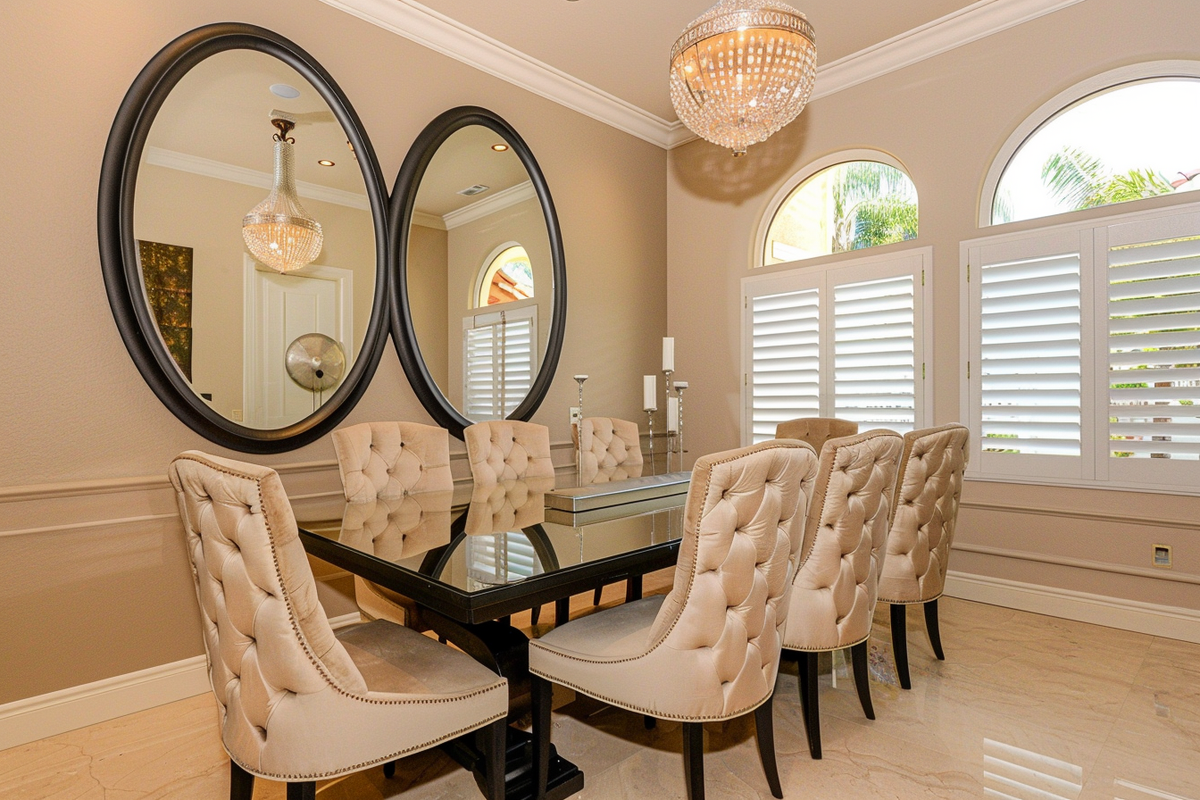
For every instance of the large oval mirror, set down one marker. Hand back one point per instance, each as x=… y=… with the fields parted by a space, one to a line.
x=242 y=230
x=479 y=303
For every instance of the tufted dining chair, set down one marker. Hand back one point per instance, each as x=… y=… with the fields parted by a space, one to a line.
x=508 y=450
x=918 y=548
x=612 y=449
x=296 y=701
x=709 y=650
x=815 y=430
x=834 y=590
x=391 y=462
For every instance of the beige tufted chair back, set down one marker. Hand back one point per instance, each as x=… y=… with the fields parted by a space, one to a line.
x=928 y=491
x=612 y=449
x=815 y=430
x=255 y=586
x=392 y=459
x=834 y=592
x=508 y=450
x=724 y=617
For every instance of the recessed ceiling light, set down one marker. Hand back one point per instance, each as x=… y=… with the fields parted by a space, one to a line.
x=325 y=162
x=284 y=91
x=500 y=148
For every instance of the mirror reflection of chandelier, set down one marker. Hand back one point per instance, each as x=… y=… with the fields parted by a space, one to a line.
x=742 y=70
x=278 y=231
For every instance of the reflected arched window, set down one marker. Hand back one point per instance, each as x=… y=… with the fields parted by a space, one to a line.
x=848 y=206
x=1127 y=141
x=506 y=277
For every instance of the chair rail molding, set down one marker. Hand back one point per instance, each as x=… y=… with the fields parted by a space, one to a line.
x=432 y=29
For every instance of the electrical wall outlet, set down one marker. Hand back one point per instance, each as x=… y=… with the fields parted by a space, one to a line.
x=1162 y=555
x=574 y=415
x=236 y=414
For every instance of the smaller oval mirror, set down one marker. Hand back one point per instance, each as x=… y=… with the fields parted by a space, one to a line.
x=480 y=299
x=249 y=242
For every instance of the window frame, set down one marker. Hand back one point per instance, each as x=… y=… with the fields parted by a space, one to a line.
x=1095 y=469
x=825 y=276
x=759 y=242
x=1060 y=103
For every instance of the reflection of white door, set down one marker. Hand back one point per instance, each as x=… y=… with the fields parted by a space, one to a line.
x=278 y=309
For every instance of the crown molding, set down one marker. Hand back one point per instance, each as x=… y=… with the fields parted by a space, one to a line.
x=449 y=37
x=428 y=220
x=439 y=32
x=184 y=162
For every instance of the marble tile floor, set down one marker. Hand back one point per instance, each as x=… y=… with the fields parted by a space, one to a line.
x=1026 y=707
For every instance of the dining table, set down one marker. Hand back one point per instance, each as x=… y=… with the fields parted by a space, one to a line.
x=472 y=557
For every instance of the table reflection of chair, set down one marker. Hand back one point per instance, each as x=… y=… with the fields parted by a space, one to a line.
x=391 y=461
x=815 y=430
x=507 y=506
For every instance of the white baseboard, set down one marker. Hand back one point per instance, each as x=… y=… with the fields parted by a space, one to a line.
x=1171 y=622
x=34 y=718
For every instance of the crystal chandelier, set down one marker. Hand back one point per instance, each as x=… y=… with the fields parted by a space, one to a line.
x=742 y=70
x=278 y=231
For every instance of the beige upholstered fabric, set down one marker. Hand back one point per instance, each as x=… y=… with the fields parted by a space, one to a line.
x=295 y=701
x=393 y=529
x=928 y=491
x=709 y=650
x=612 y=449
x=506 y=450
x=834 y=592
x=392 y=459
x=507 y=506
x=815 y=430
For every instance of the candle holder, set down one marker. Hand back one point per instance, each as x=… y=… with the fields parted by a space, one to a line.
x=650 y=425
x=667 y=373
x=579 y=431
x=679 y=387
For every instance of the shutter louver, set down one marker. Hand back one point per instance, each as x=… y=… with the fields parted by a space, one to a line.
x=1030 y=371
x=498 y=365
x=1154 y=350
x=501 y=558
x=874 y=353
x=786 y=359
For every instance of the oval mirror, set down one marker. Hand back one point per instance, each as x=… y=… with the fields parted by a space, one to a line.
x=242 y=234
x=479 y=300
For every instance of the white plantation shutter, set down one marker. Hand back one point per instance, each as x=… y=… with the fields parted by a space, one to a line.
x=1029 y=356
x=501 y=558
x=786 y=353
x=841 y=340
x=874 y=353
x=498 y=361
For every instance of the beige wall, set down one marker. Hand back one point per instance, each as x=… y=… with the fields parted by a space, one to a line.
x=93 y=578
x=944 y=119
x=427 y=263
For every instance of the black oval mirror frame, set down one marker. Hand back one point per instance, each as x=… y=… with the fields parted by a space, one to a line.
x=118 y=249
x=404 y=196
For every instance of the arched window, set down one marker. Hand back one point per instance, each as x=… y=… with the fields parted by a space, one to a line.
x=847 y=206
x=1125 y=135
x=507 y=276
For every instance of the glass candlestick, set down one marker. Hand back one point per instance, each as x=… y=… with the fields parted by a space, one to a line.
x=579 y=431
x=650 y=424
x=679 y=387
x=670 y=438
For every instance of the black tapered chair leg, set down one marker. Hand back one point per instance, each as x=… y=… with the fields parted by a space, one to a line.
x=495 y=756
x=764 y=727
x=809 y=702
x=931 y=627
x=900 y=644
x=389 y=770
x=596 y=595
x=633 y=588
x=858 y=656
x=303 y=790
x=535 y=614
x=562 y=611
x=241 y=783
x=693 y=759
x=541 y=695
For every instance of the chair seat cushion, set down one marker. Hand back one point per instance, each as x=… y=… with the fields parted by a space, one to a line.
x=618 y=632
x=397 y=660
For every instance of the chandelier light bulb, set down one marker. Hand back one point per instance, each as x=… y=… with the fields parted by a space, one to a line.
x=278 y=231
x=742 y=70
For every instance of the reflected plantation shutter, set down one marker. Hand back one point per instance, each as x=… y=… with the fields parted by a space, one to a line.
x=498 y=361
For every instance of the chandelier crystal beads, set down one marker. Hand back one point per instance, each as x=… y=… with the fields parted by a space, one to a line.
x=742 y=70
x=278 y=231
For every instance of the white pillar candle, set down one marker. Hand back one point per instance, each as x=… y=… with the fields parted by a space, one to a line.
x=673 y=415
x=668 y=354
x=650 y=392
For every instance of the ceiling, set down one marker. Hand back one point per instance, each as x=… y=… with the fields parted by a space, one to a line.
x=622 y=46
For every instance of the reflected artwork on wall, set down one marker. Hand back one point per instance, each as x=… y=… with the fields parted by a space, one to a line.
x=167 y=278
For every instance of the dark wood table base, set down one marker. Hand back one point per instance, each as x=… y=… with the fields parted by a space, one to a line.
x=565 y=777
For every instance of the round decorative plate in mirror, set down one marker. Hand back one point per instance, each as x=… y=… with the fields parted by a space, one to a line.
x=478 y=301
x=241 y=209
